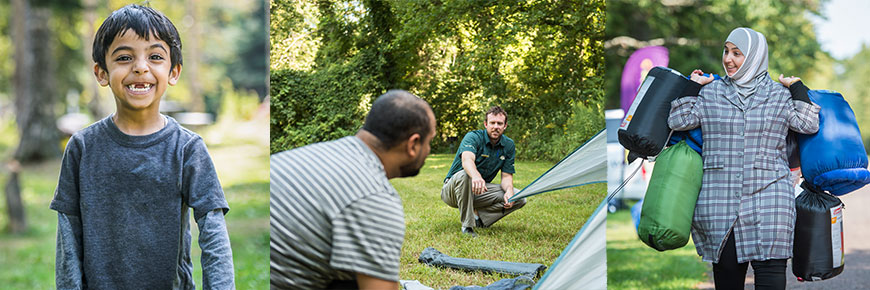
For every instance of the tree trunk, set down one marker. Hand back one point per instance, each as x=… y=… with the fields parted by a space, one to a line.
x=34 y=83
x=14 y=206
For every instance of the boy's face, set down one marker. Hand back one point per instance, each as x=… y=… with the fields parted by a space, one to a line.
x=137 y=71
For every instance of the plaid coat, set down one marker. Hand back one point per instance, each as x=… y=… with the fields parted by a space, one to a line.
x=745 y=186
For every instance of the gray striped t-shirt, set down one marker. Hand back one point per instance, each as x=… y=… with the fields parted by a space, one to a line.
x=333 y=214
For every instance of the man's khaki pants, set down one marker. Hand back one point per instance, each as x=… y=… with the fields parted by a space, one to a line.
x=456 y=192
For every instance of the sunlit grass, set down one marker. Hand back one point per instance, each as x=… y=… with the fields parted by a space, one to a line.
x=633 y=265
x=537 y=233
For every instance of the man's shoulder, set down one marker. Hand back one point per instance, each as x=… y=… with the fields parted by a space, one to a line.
x=508 y=143
x=320 y=148
x=476 y=134
x=329 y=158
x=508 y=140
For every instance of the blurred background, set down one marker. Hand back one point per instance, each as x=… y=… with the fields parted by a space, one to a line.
x=48 y=91
x=822 y=41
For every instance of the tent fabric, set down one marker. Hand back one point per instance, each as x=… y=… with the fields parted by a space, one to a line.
x=432 y=257
x=585 y=165
x=583 y=263
x=413 y=285
x=518 y=283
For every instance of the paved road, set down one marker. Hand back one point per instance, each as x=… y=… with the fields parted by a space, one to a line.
x=856 y=274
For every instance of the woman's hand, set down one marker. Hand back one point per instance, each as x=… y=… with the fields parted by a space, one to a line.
x=698 y=77
x=788 y=81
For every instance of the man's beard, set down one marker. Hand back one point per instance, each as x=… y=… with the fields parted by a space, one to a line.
x=411 y=169
x=493 y=132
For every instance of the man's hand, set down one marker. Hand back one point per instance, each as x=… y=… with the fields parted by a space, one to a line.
x=507 y=197
x=478 y=186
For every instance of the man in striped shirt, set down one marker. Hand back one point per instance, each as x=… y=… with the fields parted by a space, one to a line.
x=336 y=222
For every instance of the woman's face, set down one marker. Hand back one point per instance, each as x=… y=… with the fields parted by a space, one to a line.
x=732 y=59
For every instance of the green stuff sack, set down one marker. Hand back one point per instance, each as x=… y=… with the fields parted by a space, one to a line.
x=669 y=204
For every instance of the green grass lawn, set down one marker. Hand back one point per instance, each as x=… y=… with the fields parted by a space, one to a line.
x=537 y=233
x=27 y=261
x=633 y=265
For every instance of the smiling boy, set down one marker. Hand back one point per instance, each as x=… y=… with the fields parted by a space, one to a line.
x=127 y=181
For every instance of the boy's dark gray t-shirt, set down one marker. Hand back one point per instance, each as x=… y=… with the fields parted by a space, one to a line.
x=132 y=194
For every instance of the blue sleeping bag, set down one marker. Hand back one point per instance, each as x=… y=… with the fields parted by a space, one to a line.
x=693 y=139
x=834 y=159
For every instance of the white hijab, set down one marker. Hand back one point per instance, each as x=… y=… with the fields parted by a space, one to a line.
x=753 y=45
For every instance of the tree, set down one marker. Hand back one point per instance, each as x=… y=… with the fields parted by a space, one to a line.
x=34 y=82
x=541 y=61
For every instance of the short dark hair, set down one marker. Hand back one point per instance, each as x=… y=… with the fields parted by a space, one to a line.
x=144 y=21
x=395 y=116
x=495 y=110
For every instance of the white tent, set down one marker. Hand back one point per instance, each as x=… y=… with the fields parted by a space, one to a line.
x=583 y=263
x=586 y=165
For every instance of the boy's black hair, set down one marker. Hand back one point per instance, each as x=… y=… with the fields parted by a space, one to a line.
x=144 y=21
x=395 y=116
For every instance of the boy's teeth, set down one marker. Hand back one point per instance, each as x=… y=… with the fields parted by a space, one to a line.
x=139 y=87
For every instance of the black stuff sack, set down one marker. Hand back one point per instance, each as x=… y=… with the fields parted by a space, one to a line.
x=644 y=130
x=818 y=237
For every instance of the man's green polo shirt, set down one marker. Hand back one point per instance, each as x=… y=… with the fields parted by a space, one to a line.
x=489 y=158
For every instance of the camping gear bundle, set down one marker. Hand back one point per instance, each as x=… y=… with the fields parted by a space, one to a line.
x=669 y=203
x=666 y=215
x=644 y=131
x=832 y=161
x=818 y=235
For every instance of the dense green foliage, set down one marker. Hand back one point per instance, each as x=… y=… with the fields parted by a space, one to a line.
x=540 y=61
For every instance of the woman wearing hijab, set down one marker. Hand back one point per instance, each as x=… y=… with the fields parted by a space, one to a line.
x=745 y=211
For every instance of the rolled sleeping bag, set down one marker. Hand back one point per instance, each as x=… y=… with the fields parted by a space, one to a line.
x=834 y=159
x=694 y=138
x=644 y=130
x=669 y=203
x=818 y=237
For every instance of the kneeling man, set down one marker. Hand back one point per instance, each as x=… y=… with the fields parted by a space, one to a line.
x=481 y=155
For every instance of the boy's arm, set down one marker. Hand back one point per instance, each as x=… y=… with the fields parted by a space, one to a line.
x=217 y=256
x=68 y=261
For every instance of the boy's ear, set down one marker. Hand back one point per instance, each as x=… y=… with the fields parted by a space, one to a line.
x=174 y=74
x=101 y=74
